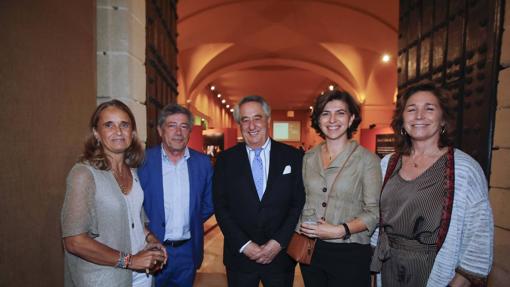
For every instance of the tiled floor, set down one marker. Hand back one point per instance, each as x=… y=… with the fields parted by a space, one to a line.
x=212 y=272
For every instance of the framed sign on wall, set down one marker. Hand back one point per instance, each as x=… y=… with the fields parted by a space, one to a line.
x=289 y=131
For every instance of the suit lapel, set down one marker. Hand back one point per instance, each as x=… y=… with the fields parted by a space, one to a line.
x=192 y=178
x=246 y=169
x=159 y=192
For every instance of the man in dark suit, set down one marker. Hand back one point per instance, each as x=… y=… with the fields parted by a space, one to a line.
x=176 y=181
x=258 y=196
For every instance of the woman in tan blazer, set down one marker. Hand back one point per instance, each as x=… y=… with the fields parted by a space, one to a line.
x=342 y=184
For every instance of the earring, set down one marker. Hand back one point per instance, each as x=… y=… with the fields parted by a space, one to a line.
x=98 y=142
x=443 y=130
x=403 y=132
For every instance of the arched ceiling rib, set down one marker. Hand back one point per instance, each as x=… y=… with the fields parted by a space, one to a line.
x=280 y=77
x=359 y=6
x=318 y=59
x=345 y=38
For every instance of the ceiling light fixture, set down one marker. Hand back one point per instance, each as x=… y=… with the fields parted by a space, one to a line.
x=223 y=101
x=386 y=58
x=213 y=88
x=231 y=110
x=331 y=87
x=228 y=106
x=219 y=95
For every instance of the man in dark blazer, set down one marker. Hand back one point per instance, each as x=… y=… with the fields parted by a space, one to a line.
x=258 y=196
x=176 y=181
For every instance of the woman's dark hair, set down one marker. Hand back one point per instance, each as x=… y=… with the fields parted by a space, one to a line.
x=93 y=152
x=403 y=141
x=343 y=96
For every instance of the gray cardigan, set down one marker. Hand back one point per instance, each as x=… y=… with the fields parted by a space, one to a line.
x=95 y=205
x=468 y=246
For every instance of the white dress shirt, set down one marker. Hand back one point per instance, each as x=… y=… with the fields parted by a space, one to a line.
x=176 y=196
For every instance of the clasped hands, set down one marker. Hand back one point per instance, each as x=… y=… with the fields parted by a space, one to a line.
x=322 y=230
x=151 y=259
x=262 y=254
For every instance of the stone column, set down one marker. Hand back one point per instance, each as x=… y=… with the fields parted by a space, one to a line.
x=121 y=56
x=500 y=167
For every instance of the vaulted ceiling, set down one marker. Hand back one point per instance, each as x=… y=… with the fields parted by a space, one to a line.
x=288 y=50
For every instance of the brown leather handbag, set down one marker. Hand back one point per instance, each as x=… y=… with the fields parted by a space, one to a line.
x=301 y=247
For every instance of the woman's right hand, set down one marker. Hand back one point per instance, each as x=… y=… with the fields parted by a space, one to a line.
x=322 y=230
x=147 y=259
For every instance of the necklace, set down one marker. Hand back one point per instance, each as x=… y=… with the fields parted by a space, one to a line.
x=327 y=152
x=120 y=180
x=130 y=214
x=433 y=156
x=124 y=189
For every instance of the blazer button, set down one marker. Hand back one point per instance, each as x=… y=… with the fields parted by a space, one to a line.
x=324 y=189
x=324 y=204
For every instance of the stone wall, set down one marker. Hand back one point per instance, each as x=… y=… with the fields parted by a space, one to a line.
x=500 y=169
x=121 y=56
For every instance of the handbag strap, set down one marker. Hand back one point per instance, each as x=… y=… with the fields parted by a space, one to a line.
x=336 y=177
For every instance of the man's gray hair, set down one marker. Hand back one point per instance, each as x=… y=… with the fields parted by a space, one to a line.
x=172 y=109
x=253 y=98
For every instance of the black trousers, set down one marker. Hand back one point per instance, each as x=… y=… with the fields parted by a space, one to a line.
x=338 y=264
x=240 y=279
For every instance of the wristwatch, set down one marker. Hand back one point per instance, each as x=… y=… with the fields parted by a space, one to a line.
x=347 y=231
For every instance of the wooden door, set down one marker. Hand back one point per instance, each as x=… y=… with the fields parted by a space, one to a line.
x=456 y=44
x=161 y=61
